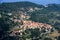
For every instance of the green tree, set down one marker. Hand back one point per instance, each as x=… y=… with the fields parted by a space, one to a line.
x=32 y=33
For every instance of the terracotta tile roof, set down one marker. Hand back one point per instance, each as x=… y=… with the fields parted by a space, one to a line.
x=29 y=24
x=35 y=24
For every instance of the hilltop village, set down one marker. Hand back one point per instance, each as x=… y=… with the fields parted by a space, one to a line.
x=28 y=24
x=29 y=21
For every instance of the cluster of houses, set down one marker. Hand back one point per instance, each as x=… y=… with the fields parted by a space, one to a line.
x=28 y=24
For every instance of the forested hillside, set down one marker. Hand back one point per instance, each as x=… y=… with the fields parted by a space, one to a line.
x=49 y=14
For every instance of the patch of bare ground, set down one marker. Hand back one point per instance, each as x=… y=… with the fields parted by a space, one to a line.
x=53 y=35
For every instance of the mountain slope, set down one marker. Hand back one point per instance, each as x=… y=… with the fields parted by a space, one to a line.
x=47 y=14
x=16 y=5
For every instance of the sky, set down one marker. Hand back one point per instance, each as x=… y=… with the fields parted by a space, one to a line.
x=43 y=2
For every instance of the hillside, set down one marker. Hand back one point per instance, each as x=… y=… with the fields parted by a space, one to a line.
x=17 y=5
x=46 y=14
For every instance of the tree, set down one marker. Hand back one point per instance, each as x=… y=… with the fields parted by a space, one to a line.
x=5 y=25
x=58 y=38
x=47 y=39
x=32 y=33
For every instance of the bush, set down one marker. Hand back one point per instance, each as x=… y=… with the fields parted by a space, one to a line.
x=47 y=39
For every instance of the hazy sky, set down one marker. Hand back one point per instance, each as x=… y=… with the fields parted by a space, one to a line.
x=35 y=1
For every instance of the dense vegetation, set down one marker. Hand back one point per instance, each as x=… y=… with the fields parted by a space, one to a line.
x=49 y=15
